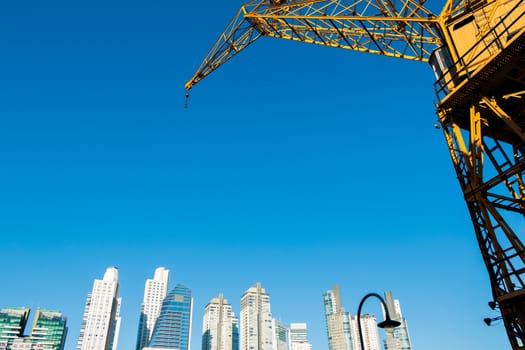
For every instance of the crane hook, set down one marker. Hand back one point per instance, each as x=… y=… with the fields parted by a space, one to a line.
x=187 y=97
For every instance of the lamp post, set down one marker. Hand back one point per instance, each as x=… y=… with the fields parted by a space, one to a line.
x=387 y=323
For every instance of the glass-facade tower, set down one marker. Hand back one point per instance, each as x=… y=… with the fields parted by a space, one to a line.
x=12 y=324
x=173 y=327
x=49 y=330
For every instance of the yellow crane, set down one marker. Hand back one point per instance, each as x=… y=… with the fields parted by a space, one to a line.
x=476 y=49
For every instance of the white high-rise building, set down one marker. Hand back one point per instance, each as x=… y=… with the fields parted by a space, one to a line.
x=369 y=331
x=299 y=337
x=256 y=319
x=220 y=329
x=337 y=321
x=155 y=290
x=101 y=321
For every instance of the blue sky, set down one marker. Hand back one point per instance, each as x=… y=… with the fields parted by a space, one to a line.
x=295 y=165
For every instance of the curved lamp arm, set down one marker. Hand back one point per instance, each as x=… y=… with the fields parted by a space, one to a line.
x=387 y=323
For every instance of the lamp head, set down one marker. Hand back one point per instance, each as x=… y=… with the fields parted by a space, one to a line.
x=389 y=323
x=488 y=321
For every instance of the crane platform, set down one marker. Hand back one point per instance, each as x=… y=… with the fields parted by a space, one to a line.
x=501 y=78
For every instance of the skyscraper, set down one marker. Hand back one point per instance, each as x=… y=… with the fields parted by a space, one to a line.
x=299 y=337
x=396 y=338
x=256 y=319
x=49 y=330
x=173 y=327
x=337 y=321
x=155 y=291
x=101 y=321
x=279 y=335
x=220 y=329
x=12 y=324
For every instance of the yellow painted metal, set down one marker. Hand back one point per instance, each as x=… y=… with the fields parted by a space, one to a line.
x=498 y=111
x=237 y=36
x=405 y=30
x=490 y=199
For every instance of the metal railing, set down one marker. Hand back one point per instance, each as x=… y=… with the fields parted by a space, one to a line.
x=464 y=67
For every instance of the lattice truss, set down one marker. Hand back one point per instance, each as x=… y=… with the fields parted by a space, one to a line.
x=491 y=173
x=395 y=28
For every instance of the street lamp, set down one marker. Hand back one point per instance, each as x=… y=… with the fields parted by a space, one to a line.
x=489 y=321
x=387 y=323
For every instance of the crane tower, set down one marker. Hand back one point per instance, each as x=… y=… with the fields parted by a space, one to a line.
x=476 y=49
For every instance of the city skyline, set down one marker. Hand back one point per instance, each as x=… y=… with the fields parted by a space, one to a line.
x=179 y=302
x=295 y=165
x=220 y=326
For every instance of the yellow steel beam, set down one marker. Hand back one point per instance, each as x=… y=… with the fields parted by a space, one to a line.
x=498 y=111
x=407 y=30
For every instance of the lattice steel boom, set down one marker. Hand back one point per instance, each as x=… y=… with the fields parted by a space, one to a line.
x=476 y=49
x=370 y=26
